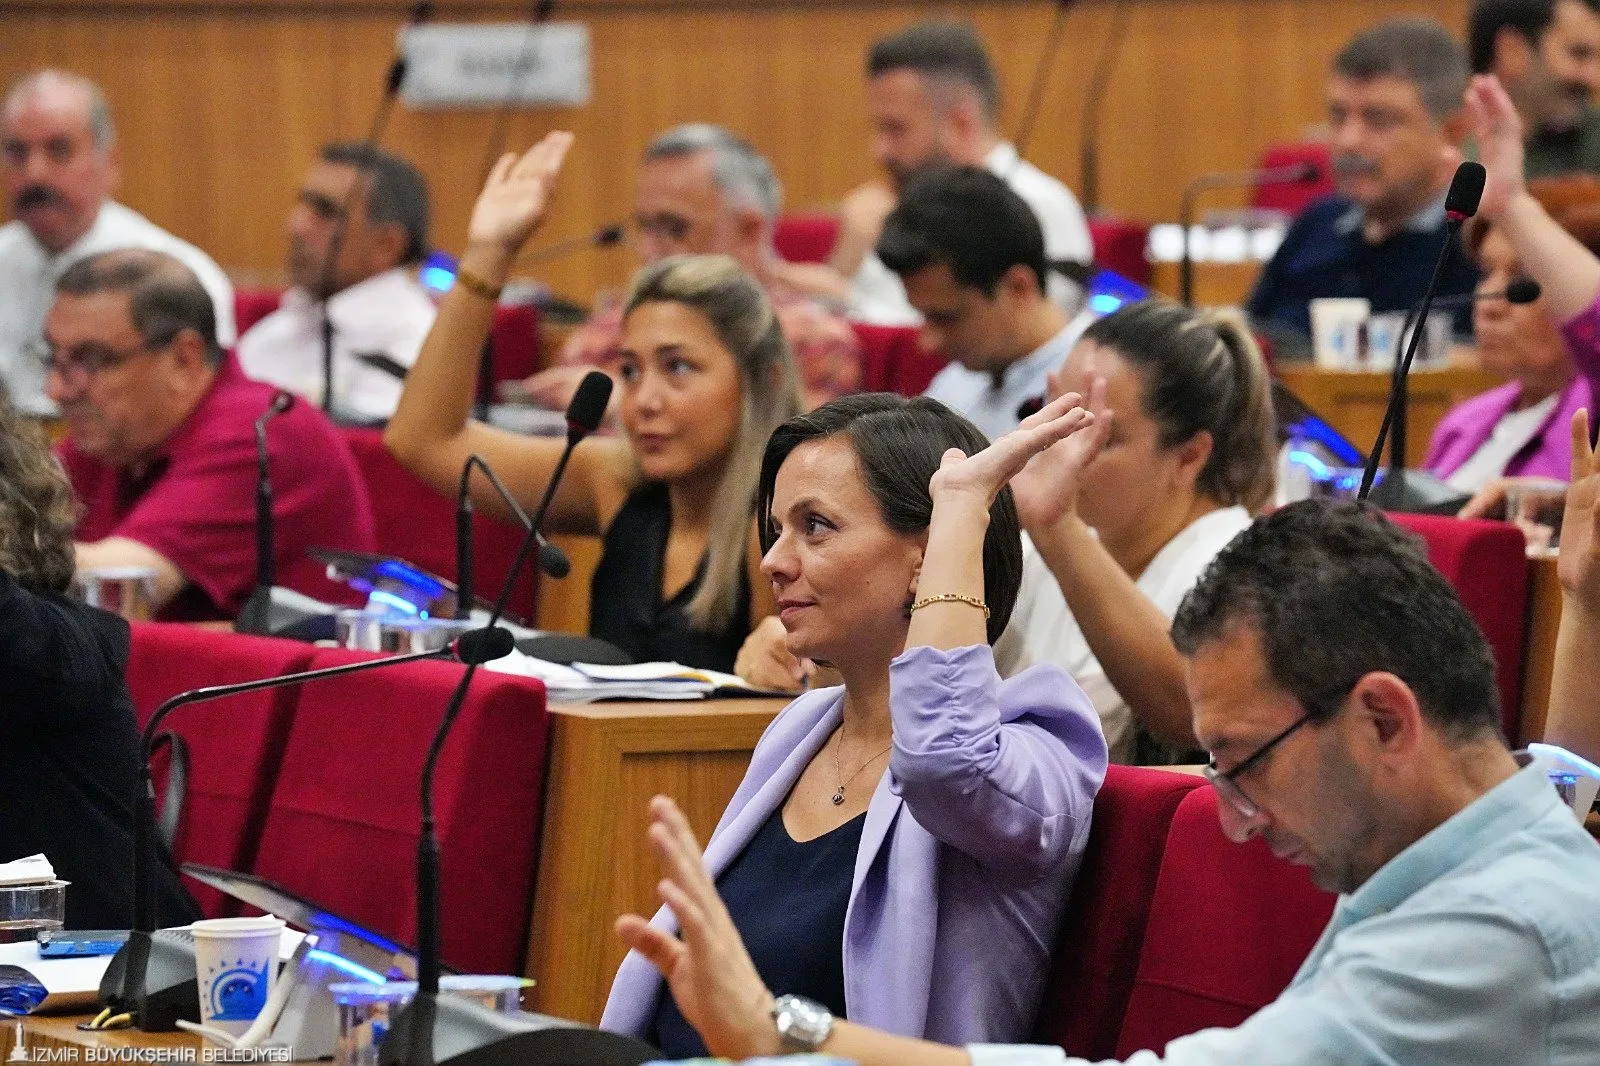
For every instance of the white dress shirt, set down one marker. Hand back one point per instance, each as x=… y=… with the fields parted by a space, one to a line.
x=1042 y=629
x=28 y=275
x=877 y=297
x=993 y=408
x=387 y=314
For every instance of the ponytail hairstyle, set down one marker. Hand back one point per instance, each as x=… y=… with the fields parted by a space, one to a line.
x=1202 y=371
x=741 y=315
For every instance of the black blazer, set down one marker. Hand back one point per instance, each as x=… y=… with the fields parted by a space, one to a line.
x=69 y=756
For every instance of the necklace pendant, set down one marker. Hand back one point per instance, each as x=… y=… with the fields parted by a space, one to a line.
x=838 y=796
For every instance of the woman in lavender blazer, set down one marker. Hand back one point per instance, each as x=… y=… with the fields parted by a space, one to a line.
x=1551 y=347
x=895 y=558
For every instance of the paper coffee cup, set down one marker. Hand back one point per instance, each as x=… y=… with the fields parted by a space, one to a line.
x=1337 y=324
x=236 y=965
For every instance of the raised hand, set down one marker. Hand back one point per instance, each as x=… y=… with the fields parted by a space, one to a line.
x=706 y=967
x=764 y=659
x=981 y=477
x=514 y=199
x=1046 y=490
x=1578 y=564
x=1497 y=129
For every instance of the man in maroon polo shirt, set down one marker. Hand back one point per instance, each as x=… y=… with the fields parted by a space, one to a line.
x=161 y=448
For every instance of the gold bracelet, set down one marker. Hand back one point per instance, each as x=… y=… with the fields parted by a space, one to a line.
x=953 y=597
x=477 y=286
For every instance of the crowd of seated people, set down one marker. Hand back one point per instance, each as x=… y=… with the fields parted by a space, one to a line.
x=1055 y=559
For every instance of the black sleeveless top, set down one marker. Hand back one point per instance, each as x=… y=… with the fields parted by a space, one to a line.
x=788 y=900
x=625 y=605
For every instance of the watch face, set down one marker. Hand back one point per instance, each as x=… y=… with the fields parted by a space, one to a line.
x=802 y=1024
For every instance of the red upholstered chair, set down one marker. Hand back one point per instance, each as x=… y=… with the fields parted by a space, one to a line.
x=1486 y=563
x=419 y=525
x=1293 y=197
x=342 y=829
x=1229 y=926
x=893 y=360
x=1119 y=244
x=235 y=744
x=805 y=237
x=1103 y=932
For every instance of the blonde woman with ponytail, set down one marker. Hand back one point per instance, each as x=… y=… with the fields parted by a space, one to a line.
x=1122 y=522
x=706 y=377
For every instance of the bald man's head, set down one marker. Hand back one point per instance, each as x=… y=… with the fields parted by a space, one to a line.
x=60 y=155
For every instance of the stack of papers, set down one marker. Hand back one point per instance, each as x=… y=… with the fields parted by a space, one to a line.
x=34 y=870
x=585 y=682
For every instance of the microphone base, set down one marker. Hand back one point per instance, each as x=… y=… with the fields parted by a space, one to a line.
x=435 y=1030
x=152 y=977
x=1416 y=492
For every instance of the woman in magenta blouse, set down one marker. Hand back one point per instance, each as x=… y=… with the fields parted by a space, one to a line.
x=1551 y=348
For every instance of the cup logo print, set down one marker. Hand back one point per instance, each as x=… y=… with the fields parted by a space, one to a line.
x=238 y=992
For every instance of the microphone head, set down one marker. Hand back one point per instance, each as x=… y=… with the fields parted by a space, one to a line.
x=1310 y=173
x=553 y=561
x=610 y=235
x=282 y=402
x=1523 y=290
x=1466 y=189
x=588 y=407
x=478 y=646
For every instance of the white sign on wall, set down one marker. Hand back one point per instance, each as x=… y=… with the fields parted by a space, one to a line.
x=480 y=65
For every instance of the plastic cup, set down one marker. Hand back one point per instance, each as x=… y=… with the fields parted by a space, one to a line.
x=366 y=1014
x=1337 y=327
x=494 y=991
x=28 y=910
x=236 y=965
x=128 y=591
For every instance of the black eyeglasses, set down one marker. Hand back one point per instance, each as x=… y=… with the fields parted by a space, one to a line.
x=80 y=364
x=1224 y=781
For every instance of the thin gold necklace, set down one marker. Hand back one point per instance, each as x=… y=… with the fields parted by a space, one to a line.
x=838 y=795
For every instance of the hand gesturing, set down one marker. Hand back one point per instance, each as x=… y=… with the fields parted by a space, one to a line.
x=515 y=197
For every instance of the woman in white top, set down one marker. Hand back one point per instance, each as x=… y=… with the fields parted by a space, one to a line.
x=1121 y=525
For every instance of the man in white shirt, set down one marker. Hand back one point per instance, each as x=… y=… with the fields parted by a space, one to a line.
x=933 y=99
x=378 y=307
x=972 y=259
x=61 y=167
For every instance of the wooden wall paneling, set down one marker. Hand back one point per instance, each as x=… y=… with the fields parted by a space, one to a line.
x=222 y=103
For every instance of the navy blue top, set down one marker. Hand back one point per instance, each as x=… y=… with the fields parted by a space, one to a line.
x=787 y=900
x=1324 y=254
x=625 y=604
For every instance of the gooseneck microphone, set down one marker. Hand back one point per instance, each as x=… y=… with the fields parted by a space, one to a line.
x=604 y=237
x=253 y=618
x=478 y=1035
x=1296 y=174
x=1041 y=76
x=395 y=78
x=553 y=562
x=1519 y=290
x=151 y=978
x=1093 y=98
x=1421 y=492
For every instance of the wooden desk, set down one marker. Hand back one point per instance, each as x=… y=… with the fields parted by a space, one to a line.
x=606 y=761
x=1353 y=401
x=1539 y=654
x=1215 y=284
x=57 y=1038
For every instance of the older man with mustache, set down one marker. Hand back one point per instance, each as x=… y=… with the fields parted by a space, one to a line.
x=1394 y=105
x=61 y=166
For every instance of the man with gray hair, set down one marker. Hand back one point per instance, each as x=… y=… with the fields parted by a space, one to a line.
x=61 y=166
x=700 y=189
x=161 y=443
x=377 y=304
x=1395 y=105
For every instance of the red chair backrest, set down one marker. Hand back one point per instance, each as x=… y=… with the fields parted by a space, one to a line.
x=1292 y=197
x=1119 y=244
x=343 y=826
x=1487 y=564
x=1229 y=926
x=893 y=360
x=805 y=237
x=418 y=525
x=1103 y=931
x=252 y=305
x=235 y=744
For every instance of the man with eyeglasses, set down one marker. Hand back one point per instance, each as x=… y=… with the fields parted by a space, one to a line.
x=704 y=189
x=1350 y=706
x=161 y=444
x=61 y=165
